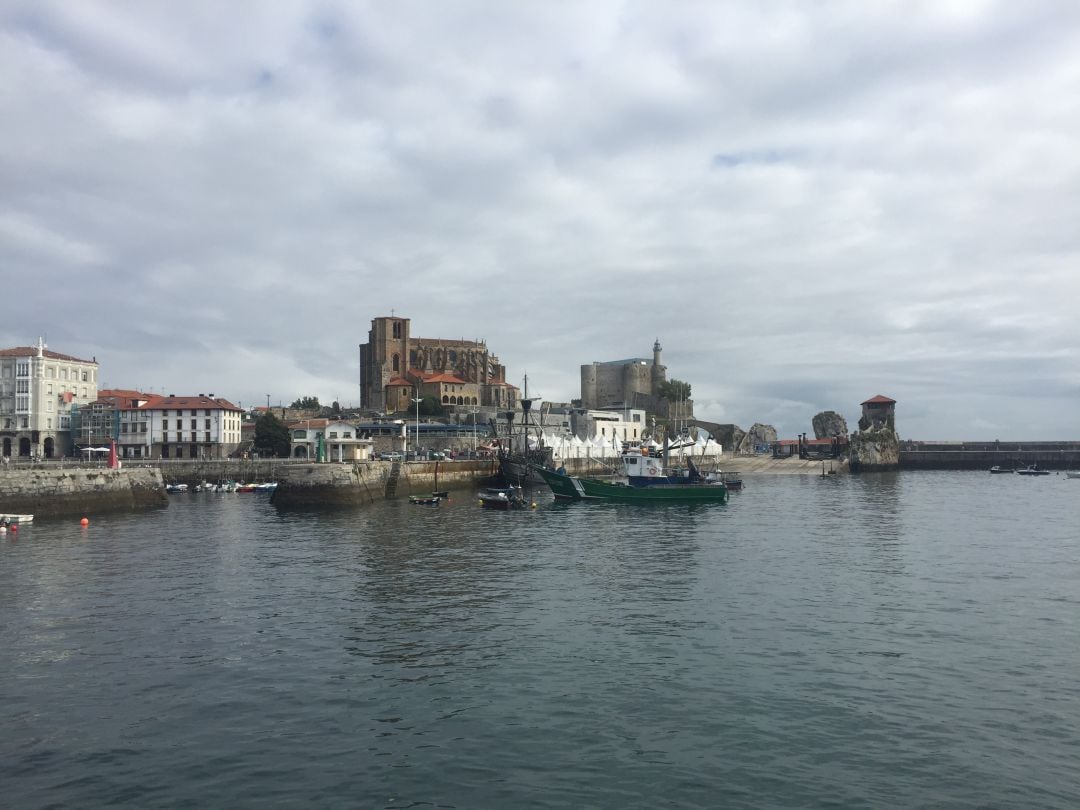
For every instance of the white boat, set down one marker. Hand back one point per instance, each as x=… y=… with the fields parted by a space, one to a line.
x=176 y=487
x=13 y=518
x=1072 y=473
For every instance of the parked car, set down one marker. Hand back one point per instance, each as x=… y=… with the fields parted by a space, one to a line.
x=395 y=456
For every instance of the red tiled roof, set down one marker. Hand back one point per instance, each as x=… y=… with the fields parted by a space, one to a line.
x=443 y=378
x=878 y=400
x=157 y=403
x=308 y=423
x=31 y=351
x=398 y=381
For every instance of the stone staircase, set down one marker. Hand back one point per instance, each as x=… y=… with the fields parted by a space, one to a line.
x=392 y=480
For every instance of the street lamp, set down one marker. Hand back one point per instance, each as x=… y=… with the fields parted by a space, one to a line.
x=474 y=412
x=418 y=399
x=267 y=402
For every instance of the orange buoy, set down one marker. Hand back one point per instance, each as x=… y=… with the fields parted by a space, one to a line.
x=14 y=527
x=84 y=522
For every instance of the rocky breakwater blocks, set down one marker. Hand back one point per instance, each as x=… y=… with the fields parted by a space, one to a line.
x=45 y=490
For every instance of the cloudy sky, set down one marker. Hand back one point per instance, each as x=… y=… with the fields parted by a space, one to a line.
x=809 y=203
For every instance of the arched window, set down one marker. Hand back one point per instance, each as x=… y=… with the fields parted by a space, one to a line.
x=397 y=362
x=461 y=400
x=445 y=400
x=474 y=400
x=397 y=329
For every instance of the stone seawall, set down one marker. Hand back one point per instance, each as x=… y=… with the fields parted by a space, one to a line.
x=985 y=459
x=45 y=492
x=363 y=482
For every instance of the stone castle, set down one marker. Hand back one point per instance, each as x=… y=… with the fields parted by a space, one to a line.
x=633 y=383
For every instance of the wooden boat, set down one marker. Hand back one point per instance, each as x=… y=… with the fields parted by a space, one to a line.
x=572 y=488
x=505 y=498
x=1032 y=469
x=998 y=470
x=11 y=517
x=425 y=500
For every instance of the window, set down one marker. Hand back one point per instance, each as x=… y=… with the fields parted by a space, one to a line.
x=193 y=423
x=84 y=376
x=48 y=423
x=397 y=363
x=164 y=424
x=333 y=434
x=48 y=389
x=48 y=405
x=206 y=412
x=22 y=387
x=50 y=373
x=22 y=369
x=396 y=330
x=65 y=422
x=22 y=403
x=207 y=425
x=63 y=374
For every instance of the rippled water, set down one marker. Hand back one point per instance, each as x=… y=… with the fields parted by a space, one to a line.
x=877 y=641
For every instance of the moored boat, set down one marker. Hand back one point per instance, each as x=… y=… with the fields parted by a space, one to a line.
x=571 y=488
x=11 y=517
x=426 y=500
x=998 y=470
x=506 y=498
x=174 y=488
x=1032 y=469
x=1072 y=473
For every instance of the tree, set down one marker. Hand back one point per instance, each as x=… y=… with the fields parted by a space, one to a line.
x=335 y=408
x=271 y=436
x=306 y=404
x=431 y=406
x=674 y=390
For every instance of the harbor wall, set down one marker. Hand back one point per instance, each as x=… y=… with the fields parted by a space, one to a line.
x=44 y=491
x=984 y=459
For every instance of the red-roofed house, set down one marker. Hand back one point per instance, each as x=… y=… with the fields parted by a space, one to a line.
x=197 y=426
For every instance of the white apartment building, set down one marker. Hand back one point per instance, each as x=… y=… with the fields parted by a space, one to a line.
x=195 y=427
x=626 y=425
x=39 y=389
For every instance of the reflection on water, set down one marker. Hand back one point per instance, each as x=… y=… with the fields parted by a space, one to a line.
x=876 y=640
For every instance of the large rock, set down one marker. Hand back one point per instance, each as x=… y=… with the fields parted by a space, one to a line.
x=828 y=424
x=758 y=434
x=874 y=450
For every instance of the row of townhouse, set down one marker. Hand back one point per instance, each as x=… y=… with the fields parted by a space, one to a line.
x=50 y=407
x=148 y=426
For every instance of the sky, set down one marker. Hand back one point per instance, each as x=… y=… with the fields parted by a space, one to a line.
x=808 y=203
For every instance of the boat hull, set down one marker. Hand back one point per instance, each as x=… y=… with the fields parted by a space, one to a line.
x=570 y=488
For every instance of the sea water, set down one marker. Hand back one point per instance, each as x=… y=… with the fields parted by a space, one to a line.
x=892 y=640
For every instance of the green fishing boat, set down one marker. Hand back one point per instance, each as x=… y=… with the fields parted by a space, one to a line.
x=571 y=488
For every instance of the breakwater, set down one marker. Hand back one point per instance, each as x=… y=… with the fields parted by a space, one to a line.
x=918 y=455
x=47 y=491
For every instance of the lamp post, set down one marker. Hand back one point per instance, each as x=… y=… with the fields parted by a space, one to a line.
x=474 y=412
x=267 y=402
x=418 y=399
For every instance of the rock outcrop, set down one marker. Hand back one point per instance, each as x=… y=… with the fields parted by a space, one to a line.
x=876 y=450
x=828 y=424
x=758 y=434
